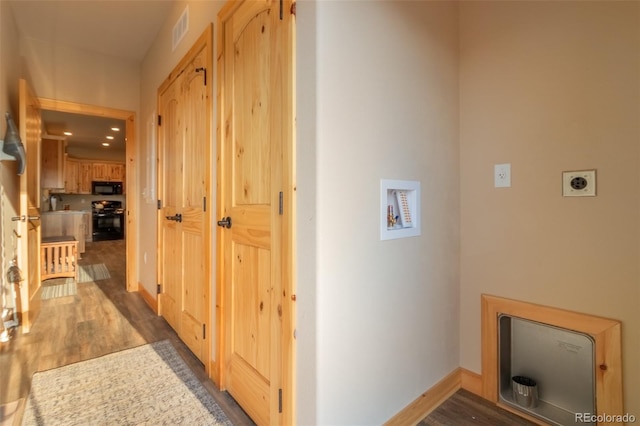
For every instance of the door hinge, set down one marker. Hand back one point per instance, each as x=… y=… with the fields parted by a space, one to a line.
x=159 y=204
x=281 y=10
x=204 y=204
x=205 y=73
x=159 y=289
x=279 y=400
x=204 y=331
x=280 y=203
x=159 y=120
x=293 y=8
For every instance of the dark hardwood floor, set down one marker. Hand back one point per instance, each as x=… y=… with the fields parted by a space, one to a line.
x=102 y=318
x=464 y=408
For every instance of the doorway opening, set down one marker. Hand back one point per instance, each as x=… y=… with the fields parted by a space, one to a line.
x=111 y=169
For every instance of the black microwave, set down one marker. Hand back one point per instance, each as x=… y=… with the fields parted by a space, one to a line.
x=106 y=188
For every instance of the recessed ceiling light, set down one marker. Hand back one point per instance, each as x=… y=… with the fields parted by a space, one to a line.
x=110 y=138
x=68 y=133
x=105 y=143
x=115 y=129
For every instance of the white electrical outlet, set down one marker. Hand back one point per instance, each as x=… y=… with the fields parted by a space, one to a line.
x=580 y=183
x=502 y=175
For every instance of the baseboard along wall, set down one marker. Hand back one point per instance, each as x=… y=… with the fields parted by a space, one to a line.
x=148 y=298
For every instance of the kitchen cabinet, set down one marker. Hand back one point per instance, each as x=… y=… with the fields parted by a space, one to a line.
x=108 y=172
x=84 y=177
x=68 y=223
x=71 y=168
x=77 y=176
x=52 y=175
x=100 y=171
x=116 y=172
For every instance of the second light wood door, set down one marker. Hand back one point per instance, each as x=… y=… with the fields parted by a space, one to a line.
x=184 y=141
x=256 y=123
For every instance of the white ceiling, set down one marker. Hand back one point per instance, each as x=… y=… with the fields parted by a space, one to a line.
x=121 y=28
x=89 y=132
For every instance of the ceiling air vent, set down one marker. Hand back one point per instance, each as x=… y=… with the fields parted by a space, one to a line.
x=180 y=28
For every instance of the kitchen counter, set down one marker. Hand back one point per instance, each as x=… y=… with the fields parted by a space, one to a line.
x=73 y=223
x=66 y=211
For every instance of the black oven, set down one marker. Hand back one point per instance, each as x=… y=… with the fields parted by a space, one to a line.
x=108 y=220
x=106 y=188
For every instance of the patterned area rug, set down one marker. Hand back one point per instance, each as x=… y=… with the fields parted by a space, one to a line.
x=61 y=287
x=96 y=272
x=147 y=385
x=58 y=287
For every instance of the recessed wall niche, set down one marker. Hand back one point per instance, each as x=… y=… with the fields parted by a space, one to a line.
x=560 y=362
x=607 y=355
x=399 y=209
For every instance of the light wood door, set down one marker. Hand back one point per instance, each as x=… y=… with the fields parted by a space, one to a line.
x=29 y=229
x=184 y=220
x=255 y=174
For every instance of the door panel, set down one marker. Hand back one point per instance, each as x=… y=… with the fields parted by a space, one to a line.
x=194 y=190
x=184 y=172
x=251 y=289
x=170 y=301
x=252 y=391
x=170 y=249
x=29 y=229
x=252 y=177
x=256 y=111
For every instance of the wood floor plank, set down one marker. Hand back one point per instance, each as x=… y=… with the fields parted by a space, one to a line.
x=466 y=409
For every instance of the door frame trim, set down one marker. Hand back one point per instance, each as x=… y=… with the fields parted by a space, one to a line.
x=129 y=118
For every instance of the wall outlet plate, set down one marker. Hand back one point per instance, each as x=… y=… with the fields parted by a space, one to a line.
x=580 y=183
x=502 y=175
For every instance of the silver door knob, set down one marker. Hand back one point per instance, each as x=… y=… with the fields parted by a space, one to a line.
x=23 y=218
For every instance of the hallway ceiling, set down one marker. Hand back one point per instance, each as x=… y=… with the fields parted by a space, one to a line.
x=89 y=132
x=124 y=28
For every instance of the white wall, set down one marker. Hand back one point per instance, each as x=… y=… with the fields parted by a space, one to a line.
x=548 y=87
x=306 y=214
x=386 y=313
